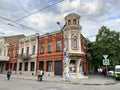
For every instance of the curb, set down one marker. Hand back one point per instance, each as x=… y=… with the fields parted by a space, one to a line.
x=62 y=81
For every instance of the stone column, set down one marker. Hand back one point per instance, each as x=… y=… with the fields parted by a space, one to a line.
x=78 y=74
x=23 y=65
x=29 y=67
x=67 y=66
x=35 y=67
x=66 y=75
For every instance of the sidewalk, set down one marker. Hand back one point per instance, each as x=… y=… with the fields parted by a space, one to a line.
x=91 y=80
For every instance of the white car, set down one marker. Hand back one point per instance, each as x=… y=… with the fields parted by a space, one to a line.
x=111 y=73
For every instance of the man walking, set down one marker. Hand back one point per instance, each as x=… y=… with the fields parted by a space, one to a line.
x=41 y=74
x=9 y=74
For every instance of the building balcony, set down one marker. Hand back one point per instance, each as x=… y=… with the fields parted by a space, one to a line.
x=24 y=56
x=4 y=58
x=76 y=54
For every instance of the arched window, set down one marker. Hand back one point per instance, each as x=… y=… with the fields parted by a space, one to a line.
x=75 y=41
x=69 y=22
x=49 y=47
x=74 y=22
x=58 y=45
x=42 y=48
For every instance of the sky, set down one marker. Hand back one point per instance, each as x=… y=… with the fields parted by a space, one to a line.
x=40 y=16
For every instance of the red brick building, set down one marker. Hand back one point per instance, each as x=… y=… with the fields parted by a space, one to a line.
x=8 y=52
x=51 y=48
x=50 y=53
x=13 y=55
x=61 y=53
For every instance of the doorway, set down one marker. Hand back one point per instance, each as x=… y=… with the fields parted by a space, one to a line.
x=41 y=65
x=58 y=67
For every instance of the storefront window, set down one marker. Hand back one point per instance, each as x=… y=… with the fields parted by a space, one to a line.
x=49 y=66
x=20 y=66
x=26 y=66
x=15 y=66
x=72 y=66
x=32 y=66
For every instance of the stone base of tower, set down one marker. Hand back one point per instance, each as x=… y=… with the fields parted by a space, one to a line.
x=74 y=76
x=77 y=76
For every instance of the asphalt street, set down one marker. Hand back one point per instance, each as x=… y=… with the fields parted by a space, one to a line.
x=23 y=84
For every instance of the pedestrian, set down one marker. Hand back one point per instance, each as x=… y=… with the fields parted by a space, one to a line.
x=38 y=75
x=9 y=74
x=98 y=71
x=104 y=71
x=41 y=74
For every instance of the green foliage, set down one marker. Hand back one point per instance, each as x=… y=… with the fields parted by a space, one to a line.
x=107 y=43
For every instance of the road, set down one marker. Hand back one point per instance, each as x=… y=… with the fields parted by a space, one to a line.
x=23 y=84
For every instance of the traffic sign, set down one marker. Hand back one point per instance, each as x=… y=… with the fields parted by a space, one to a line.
x=106 y=62
x=105 y=56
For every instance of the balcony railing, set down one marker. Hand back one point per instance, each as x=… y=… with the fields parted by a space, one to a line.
x=24 y=56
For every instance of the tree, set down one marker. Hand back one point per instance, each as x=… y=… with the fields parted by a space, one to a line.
x=107 y=43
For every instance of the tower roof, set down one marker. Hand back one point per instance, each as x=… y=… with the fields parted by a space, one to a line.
x=71 y=15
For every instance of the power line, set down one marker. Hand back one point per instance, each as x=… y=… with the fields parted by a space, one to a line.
x=38 y=11
x=17 y=24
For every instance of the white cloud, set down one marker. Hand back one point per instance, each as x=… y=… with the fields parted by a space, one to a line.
x=68 y=6
x=94 y=14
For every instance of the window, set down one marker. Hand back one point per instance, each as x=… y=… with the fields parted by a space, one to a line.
x=27 y=50
x=33 y=52
x=58 y=45
x=26 y=66
x=22 y=51
x=74 y=21
x=42 y=48
x=49 y=47
x=11 y=66
x=49 y=66
x=15 y=66
x=7 y=66
x=72 y=66
x=69 y=22
x=32 y=66
x=75 y=42
x=20 y=66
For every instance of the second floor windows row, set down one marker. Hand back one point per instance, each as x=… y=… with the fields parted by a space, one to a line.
x=28 y=51
x=50 y=45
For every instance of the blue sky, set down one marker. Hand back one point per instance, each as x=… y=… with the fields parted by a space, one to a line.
x=94 y=14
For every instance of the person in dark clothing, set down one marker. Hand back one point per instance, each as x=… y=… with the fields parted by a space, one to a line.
x=104 y=71
x=9 y=74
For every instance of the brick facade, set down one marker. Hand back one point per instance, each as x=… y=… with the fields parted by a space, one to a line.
x=50 y=56
x=49 y=50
